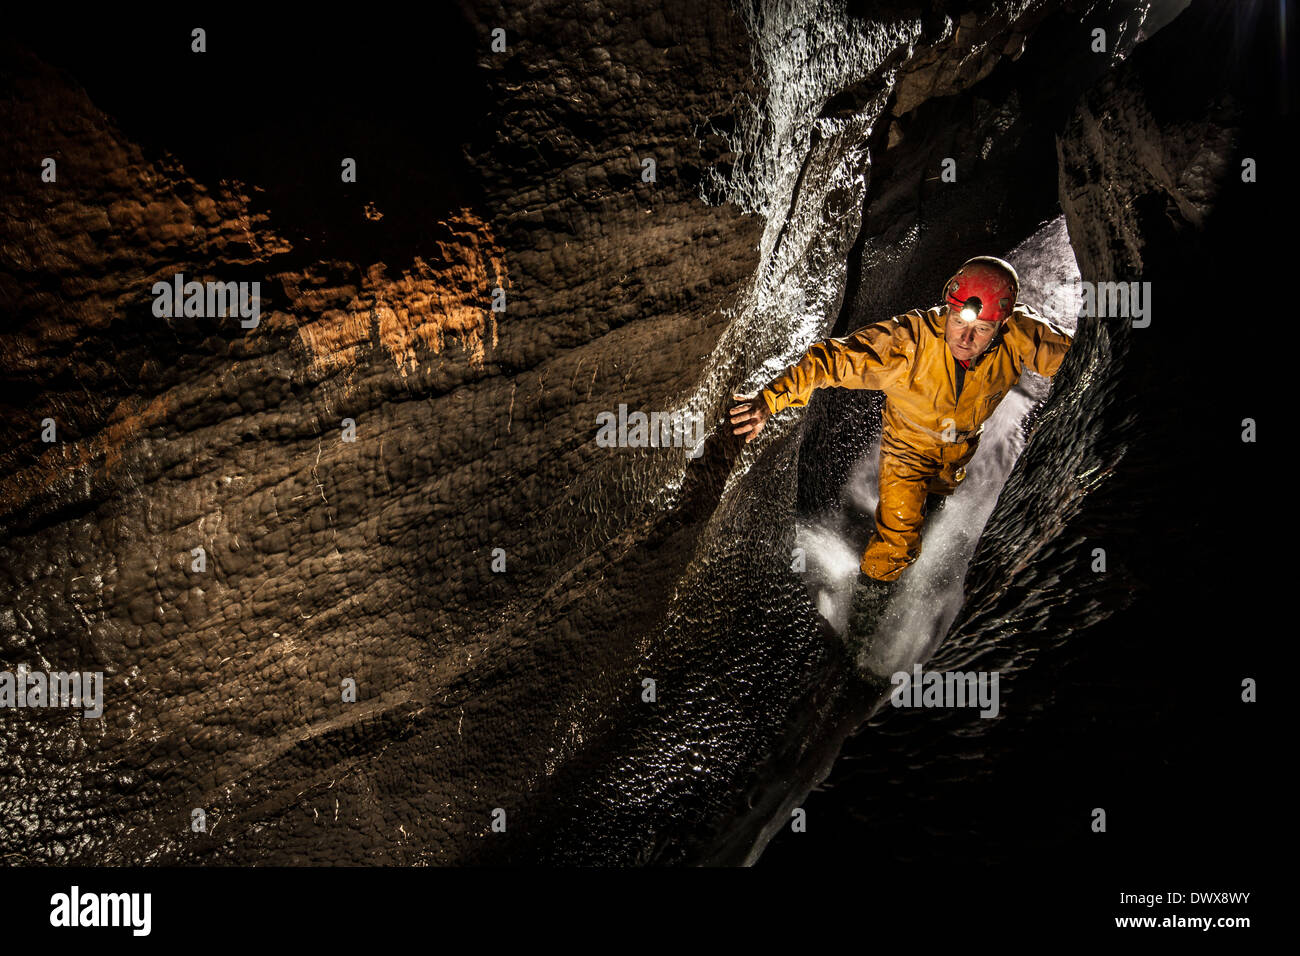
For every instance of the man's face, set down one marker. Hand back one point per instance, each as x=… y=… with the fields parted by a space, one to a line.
x=967 y=340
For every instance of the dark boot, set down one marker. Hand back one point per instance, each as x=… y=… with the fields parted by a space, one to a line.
x=934 y=504
x=869 y=599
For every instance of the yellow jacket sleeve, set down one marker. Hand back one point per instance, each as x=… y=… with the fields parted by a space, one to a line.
x=1039 y=345
x=874 y=356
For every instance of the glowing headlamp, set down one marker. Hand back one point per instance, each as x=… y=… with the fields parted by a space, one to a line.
x=970 y=309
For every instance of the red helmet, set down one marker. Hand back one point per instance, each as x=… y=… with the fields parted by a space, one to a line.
x=987 y=286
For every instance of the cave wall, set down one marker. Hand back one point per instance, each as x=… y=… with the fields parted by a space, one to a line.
x=372 y=559
x=1150 y=174
x=369 y=559
x=1121 y=688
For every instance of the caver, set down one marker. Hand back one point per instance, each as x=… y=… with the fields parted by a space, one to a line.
x=943 y=371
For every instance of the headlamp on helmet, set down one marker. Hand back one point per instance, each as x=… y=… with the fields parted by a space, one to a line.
x=984 y=288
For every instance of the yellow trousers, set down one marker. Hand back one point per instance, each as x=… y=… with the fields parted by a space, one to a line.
x=912 y=465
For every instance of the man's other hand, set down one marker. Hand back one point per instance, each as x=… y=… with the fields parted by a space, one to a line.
x=749 y=416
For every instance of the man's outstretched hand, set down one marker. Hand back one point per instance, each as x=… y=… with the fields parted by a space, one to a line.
x=749 y=416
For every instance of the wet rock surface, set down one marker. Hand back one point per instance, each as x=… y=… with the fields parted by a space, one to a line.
x=791 y=149
x=1117 y=685
x=371 y=559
